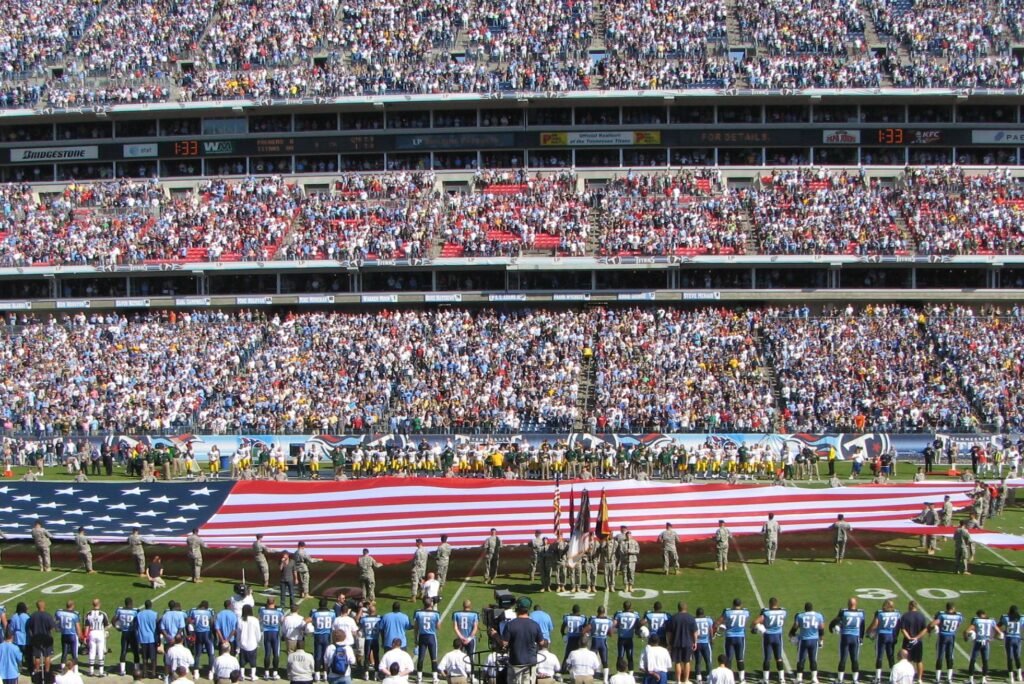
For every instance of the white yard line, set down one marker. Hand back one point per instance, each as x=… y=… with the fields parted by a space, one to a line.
x=206 y=567
x=903 y=590
x=453 y=601
x=1003 y=558
x=760 y=599
x=55 y=578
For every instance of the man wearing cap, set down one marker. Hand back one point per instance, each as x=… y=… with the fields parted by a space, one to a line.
x=302 y=561
x=722 y=536
x=522 y=637
x=840 y=534
x=928 y=517
x=669 y=539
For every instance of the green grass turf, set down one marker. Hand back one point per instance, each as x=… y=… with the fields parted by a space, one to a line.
x=876 y=567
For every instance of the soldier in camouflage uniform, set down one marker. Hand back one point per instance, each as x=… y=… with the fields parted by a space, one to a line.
x=260 y=552
x=492 y=554
x=722 y=536
x=546 y=564
x=536 y=549
x=669 y=550
x=561 y=561
x=367 y=577
x=195 y=546
x=302 y=561
x=444 y=557
x=41 y=538
x=591 y=557
x=138 y=549
x=419 y=568
x=84 y=545
x=609 y=548
x=631 y=553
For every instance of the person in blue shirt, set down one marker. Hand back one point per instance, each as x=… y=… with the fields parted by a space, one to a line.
x=201 y=619
x=467 y=626
x=601 y=628
x=146 y=634
x=426 y=622
x=322 y=618
x=572 y=628
x=705 y=633
x=70 y=626
x=983 y=629
x=773 y=619
x=271 y=618
x=543 y=620
x=17 y=625
x=172 y=623
x=883 y=627
x=124 y=622
x=735 y=620
x=10 y=659
x=809 y=631
x=626 y=622
x=226 y=624
x=850 y=622
x=394 y=625
x=948 y=624
x=1011 y=623
x=369 y=625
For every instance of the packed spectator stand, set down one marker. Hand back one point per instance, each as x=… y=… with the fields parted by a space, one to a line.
x=125 y=51
x=888 y=368
x=399 y=215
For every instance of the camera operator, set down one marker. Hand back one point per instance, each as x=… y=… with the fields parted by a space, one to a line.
x=522 y=637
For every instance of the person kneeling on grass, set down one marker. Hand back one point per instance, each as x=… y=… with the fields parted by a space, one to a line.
x=155 y=573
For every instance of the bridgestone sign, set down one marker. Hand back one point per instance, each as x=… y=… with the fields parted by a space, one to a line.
x=55 y=153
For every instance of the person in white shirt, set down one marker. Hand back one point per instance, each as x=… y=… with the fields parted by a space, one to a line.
x=903 y=672
x=583 y=663
x=495 y=661
x=241 y=599
x=300 y=666
x=455 y=666
x=431 y=588
x=721 y=674
x=396 y=655
x=70 y=674
x=224 y=665
x=548 y=664
x=177 y=656
x=395 y=675
x=181 y=676
x=340 y=637
x=250 y=634
x=655 y=661
x=293 y=629
x=345 y=623
x=622 y=675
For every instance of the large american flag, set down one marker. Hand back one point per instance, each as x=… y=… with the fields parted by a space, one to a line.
x=338 y=519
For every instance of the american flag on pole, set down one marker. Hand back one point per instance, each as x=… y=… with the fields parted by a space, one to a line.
x=386 y=515
x=557 y=504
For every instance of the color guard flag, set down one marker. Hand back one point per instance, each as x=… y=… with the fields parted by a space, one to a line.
x=603 y=531
x=557 y=503
x=579 y=539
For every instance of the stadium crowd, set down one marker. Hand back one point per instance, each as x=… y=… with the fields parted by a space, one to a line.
x=985 y=354
x=679 y=371
x=164 y=50
x=682 y=213
x=434 y=371
x=932 y=210
x=815 y=211
x=949 y=212
x=876 y=370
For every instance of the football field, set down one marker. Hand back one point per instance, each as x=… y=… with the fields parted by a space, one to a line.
x=877 y=568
